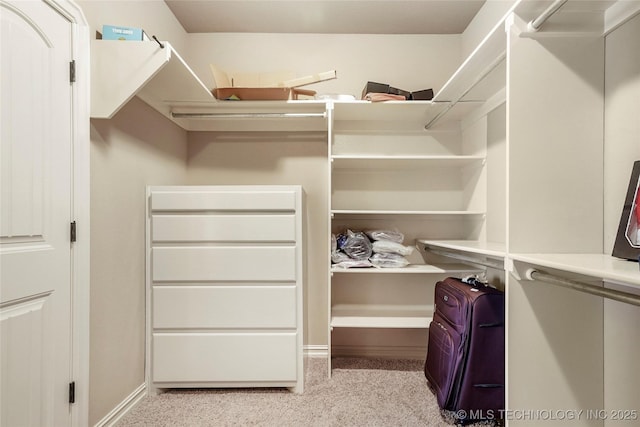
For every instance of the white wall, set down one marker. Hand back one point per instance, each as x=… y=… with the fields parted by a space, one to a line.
x=138 y=147
x=409 y=62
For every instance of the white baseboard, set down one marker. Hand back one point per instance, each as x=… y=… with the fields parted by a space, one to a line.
x=125 y=406
x=383 y=352
x=316 y=351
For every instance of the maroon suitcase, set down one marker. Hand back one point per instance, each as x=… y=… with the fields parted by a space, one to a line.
x=465 y=355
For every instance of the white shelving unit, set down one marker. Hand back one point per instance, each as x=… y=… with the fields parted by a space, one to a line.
x=558 y=334
x=381 y=316
x=388 y=171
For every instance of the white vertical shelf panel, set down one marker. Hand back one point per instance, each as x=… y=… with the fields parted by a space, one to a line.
x=159 y=76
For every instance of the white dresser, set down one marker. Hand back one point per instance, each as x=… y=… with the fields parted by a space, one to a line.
x=225 y=286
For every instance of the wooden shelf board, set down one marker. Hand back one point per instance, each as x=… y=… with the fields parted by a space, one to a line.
x=381 y=316
x=401 y=162
x=403 y=212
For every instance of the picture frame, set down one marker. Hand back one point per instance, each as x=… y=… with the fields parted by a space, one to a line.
x=627 y=243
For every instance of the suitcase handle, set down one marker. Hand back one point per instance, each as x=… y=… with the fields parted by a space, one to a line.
x=473 y=281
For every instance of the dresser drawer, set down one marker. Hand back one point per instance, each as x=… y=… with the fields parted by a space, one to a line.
x=228 y=263
x=217 y=357
x=222 y=199
x=224 y=228
x=224 y=307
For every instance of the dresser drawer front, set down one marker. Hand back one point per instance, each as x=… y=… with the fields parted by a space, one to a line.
x=228 y=263
x=202 y=199
x=224 y=307
x=224 y=357
x=224 y=228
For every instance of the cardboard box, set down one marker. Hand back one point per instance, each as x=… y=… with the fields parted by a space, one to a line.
x=252 y=93
x=112 y=32
x=270 y=79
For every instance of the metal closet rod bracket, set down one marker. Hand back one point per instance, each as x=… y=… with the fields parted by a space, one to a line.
x=625 y=297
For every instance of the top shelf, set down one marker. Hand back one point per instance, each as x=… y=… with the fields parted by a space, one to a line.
x=160 y=77
x=121 y=70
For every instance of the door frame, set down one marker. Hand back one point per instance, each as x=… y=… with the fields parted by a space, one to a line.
x=80 y=209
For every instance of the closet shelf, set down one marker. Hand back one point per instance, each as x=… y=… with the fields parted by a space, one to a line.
x=471 y=251
x=492 y=249
x=410 y=269
x=158 y=76
x=404 y=212
x=396 y=111
x=402 y=162
x=381 y=316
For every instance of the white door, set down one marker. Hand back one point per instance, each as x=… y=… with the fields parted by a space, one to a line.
x=35 y=214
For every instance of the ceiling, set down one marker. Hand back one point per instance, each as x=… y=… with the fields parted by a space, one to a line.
x=325 y=16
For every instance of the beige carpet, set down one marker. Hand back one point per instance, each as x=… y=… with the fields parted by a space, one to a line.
x=360 y=392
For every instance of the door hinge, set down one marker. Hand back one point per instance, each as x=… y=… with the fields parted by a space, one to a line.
x=73 y=231
x=72 y=71
x=72 y=392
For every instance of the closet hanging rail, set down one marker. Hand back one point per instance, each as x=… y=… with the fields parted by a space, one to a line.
x=464 y=258
x=613 y=294
x=535 y=24
x=477 y=80
x=246 y=115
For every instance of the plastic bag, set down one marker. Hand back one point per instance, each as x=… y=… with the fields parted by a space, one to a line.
x=339 y=256
x=389 y=247
x=388 y=260
x=392 y=235
x=354 y=263
x=357 y=245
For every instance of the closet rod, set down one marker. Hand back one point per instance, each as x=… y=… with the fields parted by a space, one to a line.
x=478 y=79
x=246 y=115
x=535 y=24
x=486 y=262
x=613 y=294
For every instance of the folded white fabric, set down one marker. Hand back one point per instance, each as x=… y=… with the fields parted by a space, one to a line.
x=389 y=247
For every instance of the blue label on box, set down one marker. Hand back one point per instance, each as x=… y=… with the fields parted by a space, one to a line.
x=111 y=32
